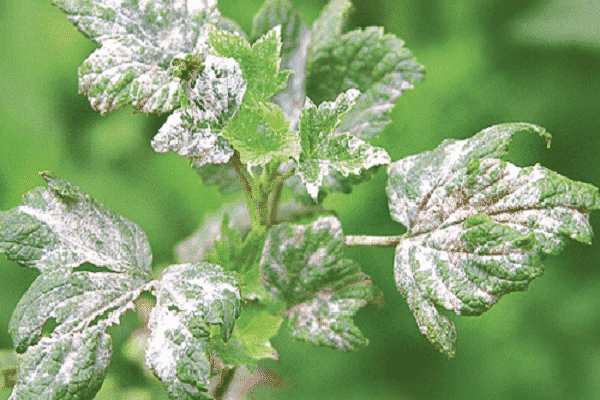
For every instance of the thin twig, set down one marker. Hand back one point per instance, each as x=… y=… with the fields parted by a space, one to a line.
x=373 y=241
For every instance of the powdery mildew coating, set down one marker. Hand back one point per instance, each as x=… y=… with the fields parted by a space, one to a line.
x=303 y=266
x=56 y=230
x=478 y=227
x=76 y=229
x=190 y=300
x=138 y=41
x=325 y=151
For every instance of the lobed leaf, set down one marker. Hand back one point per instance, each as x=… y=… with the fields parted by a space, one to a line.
x=303 y=266
x=376 y=64
x=58 y=230
x=260 y=131
x=478 y=227
x=69 y=367
x=295 y=39
x=196 y=308
x=324 y=150
x=138 y=42
x=328 y=27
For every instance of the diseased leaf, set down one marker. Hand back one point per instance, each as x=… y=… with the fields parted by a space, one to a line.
x=196 y=308
x=69 y=367
x=478 y=227
x=376 y=64
x=295 y=38
x=181 y=134
x=303 y=266
x=57 y=230
x=138 y=42
x=323 y=150
x=332 y=182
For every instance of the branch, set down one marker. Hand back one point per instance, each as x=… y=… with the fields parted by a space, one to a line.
x=373 y=241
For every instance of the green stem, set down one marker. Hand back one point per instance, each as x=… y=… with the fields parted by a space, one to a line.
x=274 y=203
x=248 y=189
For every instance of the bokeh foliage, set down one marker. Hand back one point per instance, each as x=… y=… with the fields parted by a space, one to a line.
x=487 y=62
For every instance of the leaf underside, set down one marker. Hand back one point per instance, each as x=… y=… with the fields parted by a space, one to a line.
x=478 y=227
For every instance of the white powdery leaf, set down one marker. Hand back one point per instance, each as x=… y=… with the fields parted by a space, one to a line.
x=61 y=231
x=70 y=367
x=218 y=91
x=202 y=145
x=303 y=266
x=191 y=300
x=478 y=227
x=325 y=151
x=138 y=41
x=62 y=227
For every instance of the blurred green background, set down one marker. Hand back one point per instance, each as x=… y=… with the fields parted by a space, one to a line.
x=487 y=62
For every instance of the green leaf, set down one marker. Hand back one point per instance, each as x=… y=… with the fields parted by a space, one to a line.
x=57 y=230
x=259 y=62
x=324 y=150
x=328 y=27
x=255 y=329
x=196 y=308
x=138 y=41
x=222 y=175
x=295 y=38
x=260 y=131
x=234 y=255
x=261 y=134
x=478 y=227
x=376 y=64
x=303 y=266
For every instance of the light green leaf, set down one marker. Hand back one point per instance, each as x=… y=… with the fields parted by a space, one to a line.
x=295 y=38
x=262 y=134
x=376 y=64
x=62 y=231
x=196 y=308
x=138 y=42
x=478 y=227
x=303 y=266
x=260 y=131
x=255 y=329
x=323 y=150
x=260 y=62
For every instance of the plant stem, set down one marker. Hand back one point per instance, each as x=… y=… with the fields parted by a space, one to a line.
x=243 y=176
x=373 y=241
x=274 y=203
